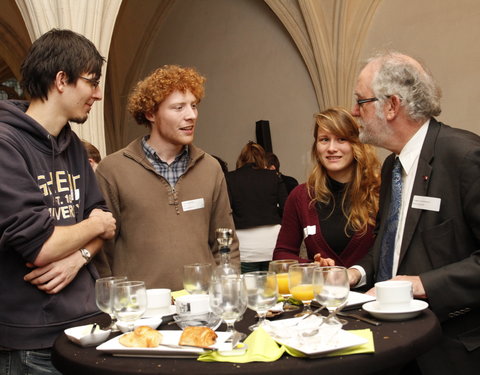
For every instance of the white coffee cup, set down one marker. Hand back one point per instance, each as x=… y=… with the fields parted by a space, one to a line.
x=158 y=302
x=192 y=304
x=394 y=295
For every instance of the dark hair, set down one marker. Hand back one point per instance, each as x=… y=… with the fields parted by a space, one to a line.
x=56 y=51
x=92 y=151
x=272 y=159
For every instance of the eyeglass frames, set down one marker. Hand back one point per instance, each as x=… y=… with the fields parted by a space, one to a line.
x=92 y=81
x=367 y=100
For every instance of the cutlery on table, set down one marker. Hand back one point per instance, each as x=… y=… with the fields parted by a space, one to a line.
x=359 y=317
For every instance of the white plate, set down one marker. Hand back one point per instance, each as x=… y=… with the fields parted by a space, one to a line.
x=416 y=307
x=318 y=345
x=356 y=299
x=114 y=347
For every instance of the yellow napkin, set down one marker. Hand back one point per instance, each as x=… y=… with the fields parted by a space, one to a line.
x=368 y=347
x=179 y=293
x=260 y=348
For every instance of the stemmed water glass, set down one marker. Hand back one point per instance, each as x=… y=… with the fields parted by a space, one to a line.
x=262 y=293
x=196 y=277
x=228 y=300
x=129 y=301
x=104 y=297
x=331 y=290
x=300 y=278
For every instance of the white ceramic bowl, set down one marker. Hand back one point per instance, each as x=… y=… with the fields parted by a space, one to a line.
x=81 y=335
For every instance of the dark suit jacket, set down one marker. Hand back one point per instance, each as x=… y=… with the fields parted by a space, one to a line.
x=257 y=196
x=442 y=247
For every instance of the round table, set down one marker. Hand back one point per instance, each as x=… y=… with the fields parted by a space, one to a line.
x=396 y=343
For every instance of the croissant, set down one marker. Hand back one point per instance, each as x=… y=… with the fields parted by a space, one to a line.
x=141 y=337
x=198 y=336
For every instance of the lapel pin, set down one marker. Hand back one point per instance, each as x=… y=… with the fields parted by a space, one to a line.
x=425 y=178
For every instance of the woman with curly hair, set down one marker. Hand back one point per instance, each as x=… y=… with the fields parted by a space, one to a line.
x=334 y=212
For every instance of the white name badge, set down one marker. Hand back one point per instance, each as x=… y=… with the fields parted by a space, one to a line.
x=194 y=204
x=426 y=203
x=309 y=230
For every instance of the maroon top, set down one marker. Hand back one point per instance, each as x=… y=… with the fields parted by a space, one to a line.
x=298 y=214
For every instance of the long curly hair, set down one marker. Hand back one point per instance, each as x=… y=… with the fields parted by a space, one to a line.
x=151 y=91
x=360 y=201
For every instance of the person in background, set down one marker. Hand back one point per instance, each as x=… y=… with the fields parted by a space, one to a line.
x=93 y=154
x=167 y=195
x=222 y=163
x=334 y=211
x=257 y=196
x=274 y=164
x=53 y=218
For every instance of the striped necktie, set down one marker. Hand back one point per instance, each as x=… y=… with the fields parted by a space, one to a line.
x=388 y=240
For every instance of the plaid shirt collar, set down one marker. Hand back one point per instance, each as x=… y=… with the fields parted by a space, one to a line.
x=171 y=172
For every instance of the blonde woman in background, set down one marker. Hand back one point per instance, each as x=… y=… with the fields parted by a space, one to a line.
x=334 y=212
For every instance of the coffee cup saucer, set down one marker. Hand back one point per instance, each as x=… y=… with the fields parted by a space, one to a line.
x=415 y=308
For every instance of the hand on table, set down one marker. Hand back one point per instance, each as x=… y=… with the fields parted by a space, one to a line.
x=323 y=262
x=55 y=276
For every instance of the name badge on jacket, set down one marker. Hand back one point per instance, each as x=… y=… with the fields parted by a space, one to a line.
x=309 y=230
x=426 y=203
x=194 y=204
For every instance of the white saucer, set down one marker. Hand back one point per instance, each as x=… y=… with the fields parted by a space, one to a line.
x=416 y=307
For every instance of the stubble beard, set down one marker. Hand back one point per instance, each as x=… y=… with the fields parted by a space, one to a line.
x=79 y=120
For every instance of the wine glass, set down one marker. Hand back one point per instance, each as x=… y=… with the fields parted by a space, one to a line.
x=129 y=301
x=300 y=277
x=331 y=290
x=262 y=293
x=228 y=300
x=103 y=297
x=196 y=277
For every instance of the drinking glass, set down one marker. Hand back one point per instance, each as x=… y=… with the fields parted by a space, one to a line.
x=196 y=277
x=300 y=278
x=262 y=293
x=280 y=267
x=228 y=300
x=129 y=301
x=331 y=290
x=104 y=297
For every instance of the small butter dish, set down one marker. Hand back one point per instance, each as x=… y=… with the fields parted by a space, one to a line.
x=84 y=336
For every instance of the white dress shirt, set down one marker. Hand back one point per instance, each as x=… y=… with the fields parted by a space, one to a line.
x=409 y=157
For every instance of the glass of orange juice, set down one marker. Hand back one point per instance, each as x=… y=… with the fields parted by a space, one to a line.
x=300 y=278
x=280 y=267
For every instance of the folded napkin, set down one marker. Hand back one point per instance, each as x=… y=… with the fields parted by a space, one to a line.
x=260 y=348
x=179 y=293
x=368 y=347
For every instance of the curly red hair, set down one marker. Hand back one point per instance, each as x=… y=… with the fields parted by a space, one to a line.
x=151 y=91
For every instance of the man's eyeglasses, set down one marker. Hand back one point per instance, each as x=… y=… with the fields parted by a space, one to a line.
x=367 y=100
x=92 y=81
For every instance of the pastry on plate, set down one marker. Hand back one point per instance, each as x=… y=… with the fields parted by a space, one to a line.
x=198 y=336
x=141 y=337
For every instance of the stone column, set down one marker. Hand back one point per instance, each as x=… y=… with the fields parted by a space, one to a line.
x=93 y=18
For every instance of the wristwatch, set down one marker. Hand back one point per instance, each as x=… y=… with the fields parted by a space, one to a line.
x=86 y=255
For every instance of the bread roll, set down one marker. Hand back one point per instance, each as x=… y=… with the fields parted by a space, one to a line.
x=141 y=337
x=198 y=336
